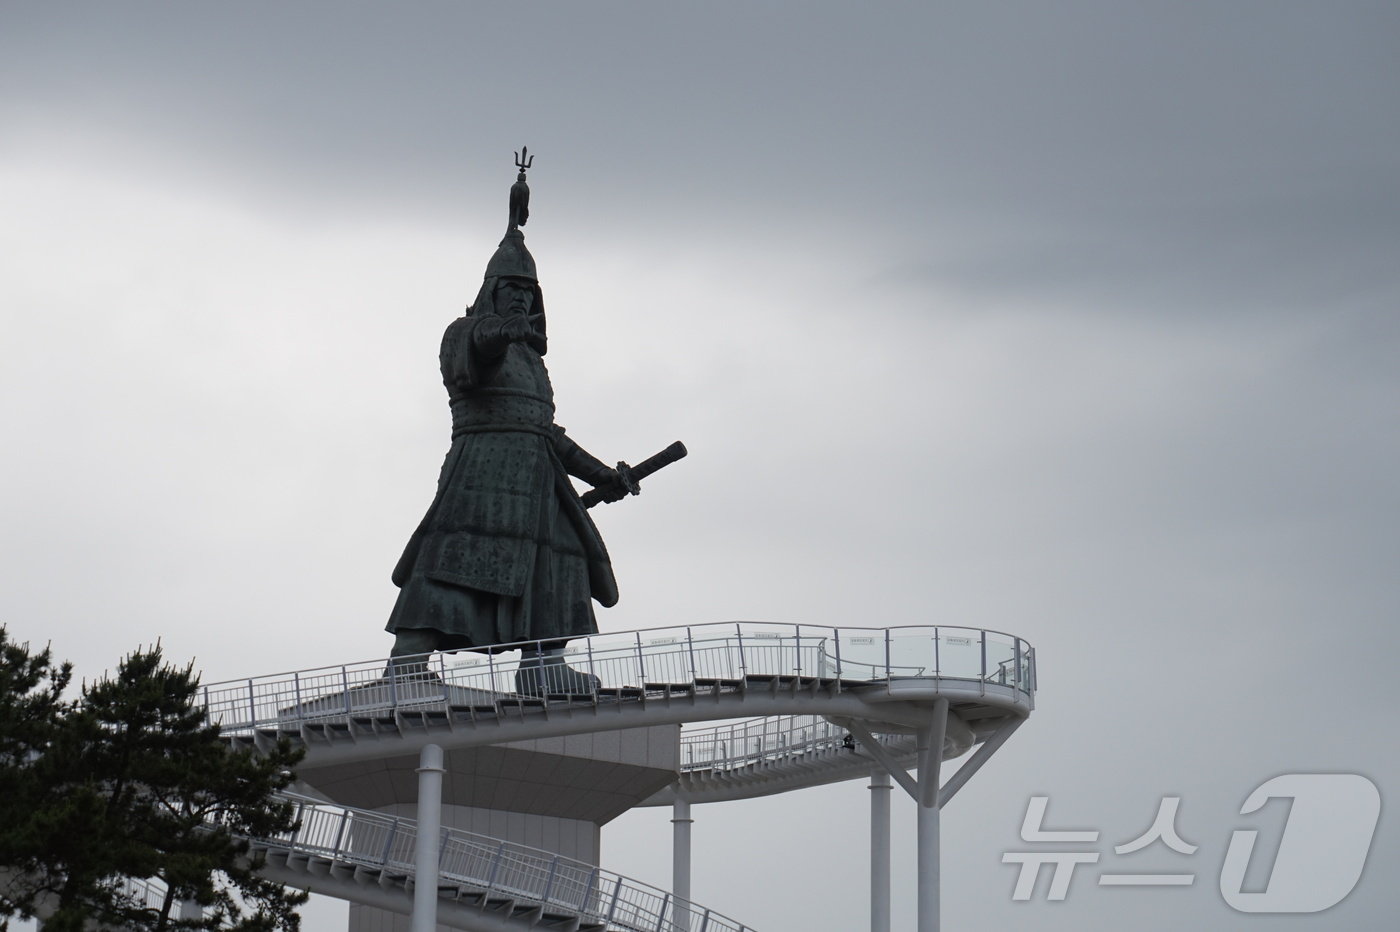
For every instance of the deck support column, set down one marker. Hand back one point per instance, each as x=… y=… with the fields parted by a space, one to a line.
x=930 y=760
x=426 y=852
x=879 y=850
x=680 y=862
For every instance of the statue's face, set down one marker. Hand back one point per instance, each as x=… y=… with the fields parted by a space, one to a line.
x=514 y=296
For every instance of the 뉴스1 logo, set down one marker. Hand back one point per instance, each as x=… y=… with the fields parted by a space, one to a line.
x=1317 y=864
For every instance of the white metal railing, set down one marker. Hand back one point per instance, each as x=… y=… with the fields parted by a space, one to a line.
x=495 y=868
x=676 y=656
x=758 y=740
x=147 y=893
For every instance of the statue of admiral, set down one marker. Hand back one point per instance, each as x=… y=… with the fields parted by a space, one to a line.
x=507 y=551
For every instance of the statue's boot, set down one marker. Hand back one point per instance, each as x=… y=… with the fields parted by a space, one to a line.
x=545 y=672
x=410 y=653
x=412 y=667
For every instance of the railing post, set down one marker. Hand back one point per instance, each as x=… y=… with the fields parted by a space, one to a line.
x=836 y=636
x=296 y=832
x=797 y=650
x=661 y=914
x=983 y=678
x=389 y=842
x=1016 y=663
x=252 y=707
x=495 y=870
x=340 y=833
x=491 y=671
x=345 y=682
x=544 y=672
x=444 y=836
x=690 y=649
x=889 y=671
x=393 y=687
x=617 y=892
x=641 y=665
x=743 y=666
x=937 y=656
x=589 y=642
x=296 y=682
x=587 y=890
x=549 y=881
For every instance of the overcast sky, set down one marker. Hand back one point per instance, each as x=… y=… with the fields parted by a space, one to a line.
x=1077 y=321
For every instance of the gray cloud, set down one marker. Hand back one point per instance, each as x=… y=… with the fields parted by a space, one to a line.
x=1076 y=321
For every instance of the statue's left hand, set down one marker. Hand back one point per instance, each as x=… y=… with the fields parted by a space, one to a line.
x=618 y=484
x=614 y=490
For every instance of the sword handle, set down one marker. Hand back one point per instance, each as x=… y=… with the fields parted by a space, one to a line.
x=639 y=472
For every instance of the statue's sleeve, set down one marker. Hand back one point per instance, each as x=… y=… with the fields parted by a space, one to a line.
x=471 y=351
x=579 y=463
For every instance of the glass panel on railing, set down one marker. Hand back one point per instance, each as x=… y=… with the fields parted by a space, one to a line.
x=773 y=654
x=1001 y=659
x=911 y=652
x=717 y=657
x=862 y=656
x=959 y=653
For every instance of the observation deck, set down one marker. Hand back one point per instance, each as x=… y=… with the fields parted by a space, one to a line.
x=813 y=705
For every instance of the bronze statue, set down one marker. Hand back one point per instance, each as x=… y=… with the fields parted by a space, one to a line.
x=507 y=551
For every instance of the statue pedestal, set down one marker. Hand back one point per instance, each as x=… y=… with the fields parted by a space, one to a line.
x=554 y=794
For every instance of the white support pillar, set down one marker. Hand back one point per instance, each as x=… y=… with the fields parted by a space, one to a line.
x=879 y=850
x=930 y=762
x=680 y=862
x=426 y=852
x=929 y=868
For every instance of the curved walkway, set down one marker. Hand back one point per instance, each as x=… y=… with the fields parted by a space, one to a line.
x=883 y=677
x=776 y=754
x=801 y=689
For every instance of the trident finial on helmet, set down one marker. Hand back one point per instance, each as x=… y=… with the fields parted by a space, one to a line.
x=520 y=191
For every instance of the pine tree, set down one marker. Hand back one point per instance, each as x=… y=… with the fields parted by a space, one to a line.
x=138 y=784
x=31 y=707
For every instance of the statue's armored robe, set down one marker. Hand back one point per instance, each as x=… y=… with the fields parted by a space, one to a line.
x=507 y=551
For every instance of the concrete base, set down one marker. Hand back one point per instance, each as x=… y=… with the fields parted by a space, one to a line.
x=554 y=794
x=591 y=777
x=369 y=919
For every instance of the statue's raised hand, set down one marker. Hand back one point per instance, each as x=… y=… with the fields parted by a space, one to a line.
x=517 y=328
x=493 y=334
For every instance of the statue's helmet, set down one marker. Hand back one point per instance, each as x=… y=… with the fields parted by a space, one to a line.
x=512 y=259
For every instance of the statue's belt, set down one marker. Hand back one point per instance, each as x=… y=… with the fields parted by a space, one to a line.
x=461 y=430
x=503 y=409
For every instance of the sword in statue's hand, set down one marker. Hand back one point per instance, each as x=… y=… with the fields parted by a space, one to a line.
x=629 y=478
